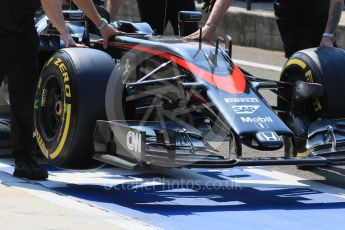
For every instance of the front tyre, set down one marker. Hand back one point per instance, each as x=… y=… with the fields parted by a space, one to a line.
x=69 y=100
x=325 y=66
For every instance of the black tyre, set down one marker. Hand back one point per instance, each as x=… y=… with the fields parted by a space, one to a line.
x=69 y=100
x=114 y=99
x=318 y=65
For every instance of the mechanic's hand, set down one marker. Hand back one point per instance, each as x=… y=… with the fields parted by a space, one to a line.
x=326 y=42
x=107 y=32
x=69 y=42
x=207 y=33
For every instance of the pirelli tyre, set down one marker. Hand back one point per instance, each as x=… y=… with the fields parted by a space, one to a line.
x=69 y=100
x=317 y=65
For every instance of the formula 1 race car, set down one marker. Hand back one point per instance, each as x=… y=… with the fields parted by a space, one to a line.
x=165 y=101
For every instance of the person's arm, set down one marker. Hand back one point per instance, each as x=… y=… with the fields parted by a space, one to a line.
x=89 y=9
x=113 y=7
x=209 y=29
x=335 y=10
x=53 y=10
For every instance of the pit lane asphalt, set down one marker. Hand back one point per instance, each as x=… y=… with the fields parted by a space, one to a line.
x=334 y=176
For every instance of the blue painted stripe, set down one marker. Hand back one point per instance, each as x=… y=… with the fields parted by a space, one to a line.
x=193 y=206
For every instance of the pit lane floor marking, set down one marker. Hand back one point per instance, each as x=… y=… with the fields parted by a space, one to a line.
x=240 y=198
x=36 y=189
x=257 y=65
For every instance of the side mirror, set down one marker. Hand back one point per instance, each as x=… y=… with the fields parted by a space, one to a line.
x=308 y=90
x=187 y=16
x=229 y=44
x=73 y=15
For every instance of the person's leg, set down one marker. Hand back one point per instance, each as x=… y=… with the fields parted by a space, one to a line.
x=3 y=59
x=297 y=31
x=2 y=70
x=4 y=124
x=22 y=77
x=293 y=36
x=317 y=30
x=5 y=140
x=153 y=12
x=22 y=73
x=292 y=32
x=174 y=7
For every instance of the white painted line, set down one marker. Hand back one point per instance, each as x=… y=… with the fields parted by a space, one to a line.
x=257 y=177
x=290 y=179
x=73 y=203
x=258 y=65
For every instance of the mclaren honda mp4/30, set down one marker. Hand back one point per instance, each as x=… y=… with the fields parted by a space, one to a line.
x=165 y=101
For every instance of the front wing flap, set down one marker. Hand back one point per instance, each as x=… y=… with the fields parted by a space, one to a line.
x=151 y=143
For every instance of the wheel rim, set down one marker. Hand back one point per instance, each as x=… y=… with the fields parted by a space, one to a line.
x=52 y=107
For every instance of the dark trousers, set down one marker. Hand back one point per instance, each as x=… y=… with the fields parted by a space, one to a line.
x=153 y=12
x=299 y=32
x=18 y=61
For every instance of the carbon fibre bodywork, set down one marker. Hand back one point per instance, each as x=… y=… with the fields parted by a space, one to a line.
x=204 y=85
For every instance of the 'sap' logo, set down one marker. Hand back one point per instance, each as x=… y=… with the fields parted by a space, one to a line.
x=134 y=141
x=245 y=109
